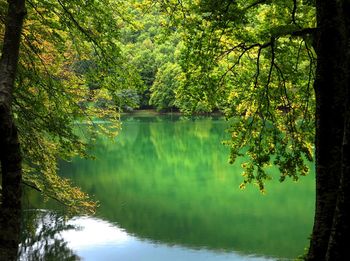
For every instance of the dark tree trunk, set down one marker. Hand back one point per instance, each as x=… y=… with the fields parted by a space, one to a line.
x=338 y=247
x=331 y=88
x=10 y=156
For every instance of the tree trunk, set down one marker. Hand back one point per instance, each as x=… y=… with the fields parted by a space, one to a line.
x=331 y=88
x=340 y=234
x=338 y=246
x=10 y=156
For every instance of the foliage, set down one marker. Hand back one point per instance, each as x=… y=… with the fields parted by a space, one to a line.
x=71 y=67
x=149 y=46
x=41 y=237
x=258 y=59
x=164 y=88
x=87 y=60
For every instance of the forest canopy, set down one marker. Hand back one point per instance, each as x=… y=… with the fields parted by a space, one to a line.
x=84 y=62
x=281 y=78
x=70 y=74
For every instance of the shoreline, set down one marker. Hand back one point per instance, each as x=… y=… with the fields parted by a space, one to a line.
x=152 y=112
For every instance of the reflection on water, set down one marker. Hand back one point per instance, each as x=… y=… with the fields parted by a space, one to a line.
x=51 y=237
x=167 y=185
x=43 y=237
x=10 y=223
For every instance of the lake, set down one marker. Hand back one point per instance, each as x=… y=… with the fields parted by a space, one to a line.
x=167 y=192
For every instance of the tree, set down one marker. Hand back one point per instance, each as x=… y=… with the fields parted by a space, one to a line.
x=255 y=60
x=47 y=106
x=273 y=52
x=164 y=87
x=149 y=46
x=332 y=84
x=70 y=71
x=10 y=156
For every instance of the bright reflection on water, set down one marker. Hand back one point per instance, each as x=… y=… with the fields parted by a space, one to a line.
x=100 y=240
x=89 y=238
x=166 y=192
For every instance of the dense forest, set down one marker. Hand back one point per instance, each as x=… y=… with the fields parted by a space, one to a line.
x=278 y=71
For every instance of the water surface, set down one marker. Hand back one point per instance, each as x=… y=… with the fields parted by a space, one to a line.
x=166 y=192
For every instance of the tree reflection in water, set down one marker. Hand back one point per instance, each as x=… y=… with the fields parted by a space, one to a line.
x=10 y=225
x=41 y=237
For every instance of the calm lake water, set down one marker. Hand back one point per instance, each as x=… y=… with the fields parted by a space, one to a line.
x=166 y=192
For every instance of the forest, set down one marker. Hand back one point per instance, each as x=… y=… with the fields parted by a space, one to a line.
x=277 y=71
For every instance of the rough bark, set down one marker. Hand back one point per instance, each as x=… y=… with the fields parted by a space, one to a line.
x=338 y=246
x=331 y=88
x=10 y=156
x=340 y=233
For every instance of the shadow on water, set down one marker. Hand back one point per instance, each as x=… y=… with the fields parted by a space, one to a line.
x=10 y=224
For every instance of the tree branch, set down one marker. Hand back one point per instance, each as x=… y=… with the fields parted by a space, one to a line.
x=50 y=196
x=294 y=11
x=304 y=32
x=255 y=4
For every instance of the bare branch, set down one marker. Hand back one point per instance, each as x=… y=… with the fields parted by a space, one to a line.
x=310 y=78
x=298 y=55
x=255 y=4
x=265 y=45
x=257 y=69
x=304 y=32
x=50 y=196
x=284 y=93
x=244 y=49
x=272 y=63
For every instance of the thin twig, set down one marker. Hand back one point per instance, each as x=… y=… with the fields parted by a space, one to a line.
x=40 y=190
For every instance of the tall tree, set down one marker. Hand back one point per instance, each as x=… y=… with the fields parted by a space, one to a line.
x=274 y=51
x=45 y=95
x=70 y=71
x=10 y=155
x=332 y=83
x=10 y=152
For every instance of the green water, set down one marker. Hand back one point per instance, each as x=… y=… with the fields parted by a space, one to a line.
x=165 y=181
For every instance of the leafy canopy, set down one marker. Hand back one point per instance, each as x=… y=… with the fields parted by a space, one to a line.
x=82 y=62
x=254 y=61
x=70 y=70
